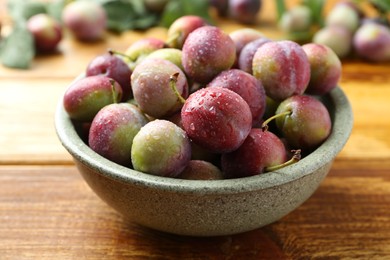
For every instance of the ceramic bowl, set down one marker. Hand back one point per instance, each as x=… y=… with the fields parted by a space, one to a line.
x=208 y=208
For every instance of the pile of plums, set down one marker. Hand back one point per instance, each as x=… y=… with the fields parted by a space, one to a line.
x=205 y=104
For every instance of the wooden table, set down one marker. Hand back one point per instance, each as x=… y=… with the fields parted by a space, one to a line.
x=47 y=211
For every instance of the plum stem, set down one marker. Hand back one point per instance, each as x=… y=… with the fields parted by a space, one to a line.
x=172 y=83
x=112 y=52
x=264 y=126
x=295 y=158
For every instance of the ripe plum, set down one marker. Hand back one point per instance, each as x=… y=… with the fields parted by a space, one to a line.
x=47 y=32
x=201 y=170
x=217 y=119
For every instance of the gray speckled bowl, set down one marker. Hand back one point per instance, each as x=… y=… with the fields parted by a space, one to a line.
x=208 y=208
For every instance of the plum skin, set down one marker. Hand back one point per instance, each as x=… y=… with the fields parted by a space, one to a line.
x=113 y=129
x=85 y=97
x=283 y=68
x=201 y=170
x=161 y=148
x=217 y=119
x=206 y=52
x=151 y=87
x=247 y=86
x=325 y=68
x=260 y=149
x=308 y=125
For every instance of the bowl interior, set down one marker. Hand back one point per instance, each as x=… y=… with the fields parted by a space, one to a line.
x=342 y=119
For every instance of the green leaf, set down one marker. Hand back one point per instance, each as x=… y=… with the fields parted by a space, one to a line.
x=177 y=8
x=21 y=10
x=316 y=7
x=55 y=8
x=383 y=6
x=280 y=8
x=120 y=15
x=17 y=50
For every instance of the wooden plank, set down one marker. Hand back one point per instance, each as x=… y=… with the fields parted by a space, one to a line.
x=49 y=212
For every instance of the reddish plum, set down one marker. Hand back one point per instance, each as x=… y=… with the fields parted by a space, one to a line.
x=113 y=67
x=244 y=11
x=47 y=32
x=283 y=68
x=206 y=52
x=260 y=150
x=87 y=20
x=247 y=86
x=217 y=119
x=245 y=57
x=201 y=170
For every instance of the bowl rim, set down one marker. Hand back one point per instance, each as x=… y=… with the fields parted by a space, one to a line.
x=342 y=119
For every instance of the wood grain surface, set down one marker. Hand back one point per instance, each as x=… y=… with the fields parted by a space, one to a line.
x=47 y=211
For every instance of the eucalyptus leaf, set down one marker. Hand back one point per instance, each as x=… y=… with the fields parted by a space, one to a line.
x=17 y=49
x=21 y=10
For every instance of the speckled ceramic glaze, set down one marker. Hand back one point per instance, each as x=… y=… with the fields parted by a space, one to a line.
x=208 y=208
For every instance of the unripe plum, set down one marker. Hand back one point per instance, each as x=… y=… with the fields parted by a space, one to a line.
x=247 y=86
x=85 y=97
x=113 y=129
x=201 y=170
x=244 y=11
x=179 y=30
x=87 y=20
x=113 y=67
x=372 y=42
x=343 y=15
x=152 y=87
x=260 y=149
x=325 y=68
x=307 y=123
x=171 y=54
x=297 y=19
x=217 y=119
x=161 y=148
x=245 y=57
x=206 y=52
x=339 y=39
x=283 y=68
x=140 y=49
x=47 y=32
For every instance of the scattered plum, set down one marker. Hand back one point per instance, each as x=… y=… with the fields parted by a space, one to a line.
x=85 y=97
x=297 y=19
x=245 y=58
x=247 y=86
x=152 y=87
x=304 y=121
x=179 y=30
x=283 y=68
x=206 y=52
x=372 y=42
x=113 y=129
x=220 y=6
x=261 y=149
x=343 y=15
x=217 y=119
x=113 y=67
x=47 y=32
x=325 y=68
x=161 y=148
x=338 y=38
x=87 y=20
x=201 y=170
x=244 y=11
